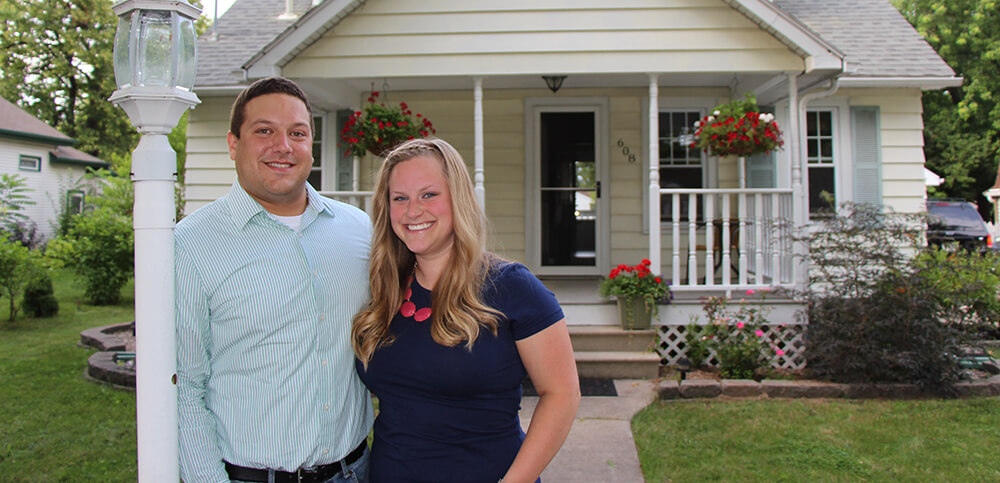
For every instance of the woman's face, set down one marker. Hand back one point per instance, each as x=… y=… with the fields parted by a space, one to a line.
x=420 y=208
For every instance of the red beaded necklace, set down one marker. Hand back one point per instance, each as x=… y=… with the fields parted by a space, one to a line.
x=409 y=309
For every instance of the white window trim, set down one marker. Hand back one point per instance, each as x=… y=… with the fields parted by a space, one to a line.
x=326 y=175
x=27 y=157
x=709 y=171
x=843 y=164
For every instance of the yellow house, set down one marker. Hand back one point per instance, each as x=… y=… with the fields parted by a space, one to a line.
x=595 y=172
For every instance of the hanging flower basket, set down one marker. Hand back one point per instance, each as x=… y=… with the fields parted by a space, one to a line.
x=737 y=129
x=377 y=128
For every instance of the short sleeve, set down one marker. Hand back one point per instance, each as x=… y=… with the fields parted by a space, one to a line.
x=528 y=306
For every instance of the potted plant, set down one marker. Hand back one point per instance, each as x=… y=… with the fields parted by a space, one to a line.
x=737 y=129
x=638 y=291
x=377 y=127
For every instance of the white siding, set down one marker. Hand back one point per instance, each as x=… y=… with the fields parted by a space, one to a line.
x=479 y=37
x=48 y=185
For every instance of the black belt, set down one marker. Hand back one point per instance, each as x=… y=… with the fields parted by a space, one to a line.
x=302 y=475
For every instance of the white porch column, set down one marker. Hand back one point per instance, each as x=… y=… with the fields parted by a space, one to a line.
x=654 y=173
x=799 y=195
x=477 y=116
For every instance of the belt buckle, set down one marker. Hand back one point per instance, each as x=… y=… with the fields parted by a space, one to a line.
x=298 y=475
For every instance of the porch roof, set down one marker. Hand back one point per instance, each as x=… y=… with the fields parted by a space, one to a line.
x=877 y=42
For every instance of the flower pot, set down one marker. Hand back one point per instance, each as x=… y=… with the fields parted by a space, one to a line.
x=633 y=313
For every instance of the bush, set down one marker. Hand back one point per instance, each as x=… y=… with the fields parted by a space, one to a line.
x=967 y=285
x=99 y=248
x=734 y=335
x=874 y=314
x=39 y=297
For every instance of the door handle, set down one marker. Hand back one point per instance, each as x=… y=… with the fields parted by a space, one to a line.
x=598 y=189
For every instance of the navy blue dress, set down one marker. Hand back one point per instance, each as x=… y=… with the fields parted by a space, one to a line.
x=447 y=414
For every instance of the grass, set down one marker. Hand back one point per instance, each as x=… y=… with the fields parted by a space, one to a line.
x=819 y=440
x=54 y=424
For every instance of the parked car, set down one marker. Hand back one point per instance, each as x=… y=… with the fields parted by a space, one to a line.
x=952 y=221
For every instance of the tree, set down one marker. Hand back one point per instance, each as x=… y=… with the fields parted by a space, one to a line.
x=58 y=67
x=16 y=268
x=13 y=198
x=962 y=124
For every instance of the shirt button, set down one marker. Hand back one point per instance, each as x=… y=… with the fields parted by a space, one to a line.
x=323 y=362
x=326 y=451
x=322 y=316
x=326 y=407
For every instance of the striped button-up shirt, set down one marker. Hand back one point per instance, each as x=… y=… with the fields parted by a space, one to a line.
x=264 y=363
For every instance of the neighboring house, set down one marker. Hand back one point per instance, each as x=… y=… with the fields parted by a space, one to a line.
x=843 y=78
x=46 y=159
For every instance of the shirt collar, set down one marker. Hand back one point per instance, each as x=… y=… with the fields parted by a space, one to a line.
x=244 y=208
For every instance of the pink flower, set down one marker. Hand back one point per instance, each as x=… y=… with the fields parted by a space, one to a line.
x=750 y=292
x=759 y=333
x=779 y=351
x=739 y=325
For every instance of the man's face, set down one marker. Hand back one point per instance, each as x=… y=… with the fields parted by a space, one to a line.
x=273 y=154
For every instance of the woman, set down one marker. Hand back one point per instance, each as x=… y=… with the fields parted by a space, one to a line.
x=450 y=333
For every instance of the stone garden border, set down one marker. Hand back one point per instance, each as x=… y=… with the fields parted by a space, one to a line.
x=101 y=366
x=789 y=389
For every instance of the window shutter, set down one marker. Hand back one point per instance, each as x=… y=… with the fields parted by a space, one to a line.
x=867 y=155
x=760 y=171
x=760 y=168
x=345 y=163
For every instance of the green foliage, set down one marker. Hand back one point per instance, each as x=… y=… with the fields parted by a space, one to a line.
x=873 y=315
x=966 y=286
x=962 y=124
x=636 y=281
x=16 y=266
x=13 y=199
x=57 y=65
x=377 y=128
x=735 y=336
x=99 y=248
x=39 y=297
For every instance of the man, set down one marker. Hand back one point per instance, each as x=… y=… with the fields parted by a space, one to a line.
x=268 y=279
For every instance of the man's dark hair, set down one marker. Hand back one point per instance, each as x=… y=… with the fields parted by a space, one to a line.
x=269 y=85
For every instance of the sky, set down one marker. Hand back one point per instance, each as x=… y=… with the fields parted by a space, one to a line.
x=209 y=10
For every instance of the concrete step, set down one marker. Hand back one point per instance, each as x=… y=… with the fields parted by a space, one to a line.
x=610 y=338
x=618 y=364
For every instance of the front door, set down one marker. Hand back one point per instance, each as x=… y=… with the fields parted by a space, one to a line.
x=566 y=236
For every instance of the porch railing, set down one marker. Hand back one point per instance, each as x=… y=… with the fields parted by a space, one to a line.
x=728 y=238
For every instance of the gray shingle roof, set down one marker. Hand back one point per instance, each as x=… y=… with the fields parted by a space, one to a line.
x=243 y=30
x=876 y=38
x=15 y=120
x=873 y=35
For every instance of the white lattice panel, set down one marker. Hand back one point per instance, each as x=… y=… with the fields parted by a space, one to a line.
x=787 y=337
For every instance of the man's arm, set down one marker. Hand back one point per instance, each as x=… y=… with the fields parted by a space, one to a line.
x=200 y=458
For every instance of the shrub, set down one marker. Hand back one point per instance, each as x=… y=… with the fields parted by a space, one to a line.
x=39 y=298
x=967 y=284
x=873 y=315
x=99 y=248
x=734 y=335
x=636 y=281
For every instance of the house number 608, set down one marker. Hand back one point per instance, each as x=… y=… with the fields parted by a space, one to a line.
x=626 y=150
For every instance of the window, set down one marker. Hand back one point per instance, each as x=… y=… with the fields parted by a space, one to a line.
x=820 y=161
x=75 y=202
x=316 y=174
x=30 y=163
x=680 y=165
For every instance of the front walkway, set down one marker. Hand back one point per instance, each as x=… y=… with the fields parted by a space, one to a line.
x=600 y=445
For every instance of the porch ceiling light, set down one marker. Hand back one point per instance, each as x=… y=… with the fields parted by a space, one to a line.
x=554 y=81
x=154 y=59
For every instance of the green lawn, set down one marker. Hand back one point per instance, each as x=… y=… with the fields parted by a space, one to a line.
x=821 y=440
x=57 y=426
x=54 y=424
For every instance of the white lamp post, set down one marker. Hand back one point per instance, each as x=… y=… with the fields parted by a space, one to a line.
x=154 y=57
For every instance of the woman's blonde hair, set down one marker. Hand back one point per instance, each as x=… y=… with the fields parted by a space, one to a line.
x=456 y=302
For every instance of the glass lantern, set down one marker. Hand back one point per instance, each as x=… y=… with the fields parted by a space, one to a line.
x=155 y=44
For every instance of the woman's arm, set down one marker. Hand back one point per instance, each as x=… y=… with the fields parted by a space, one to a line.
x=548 y=358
